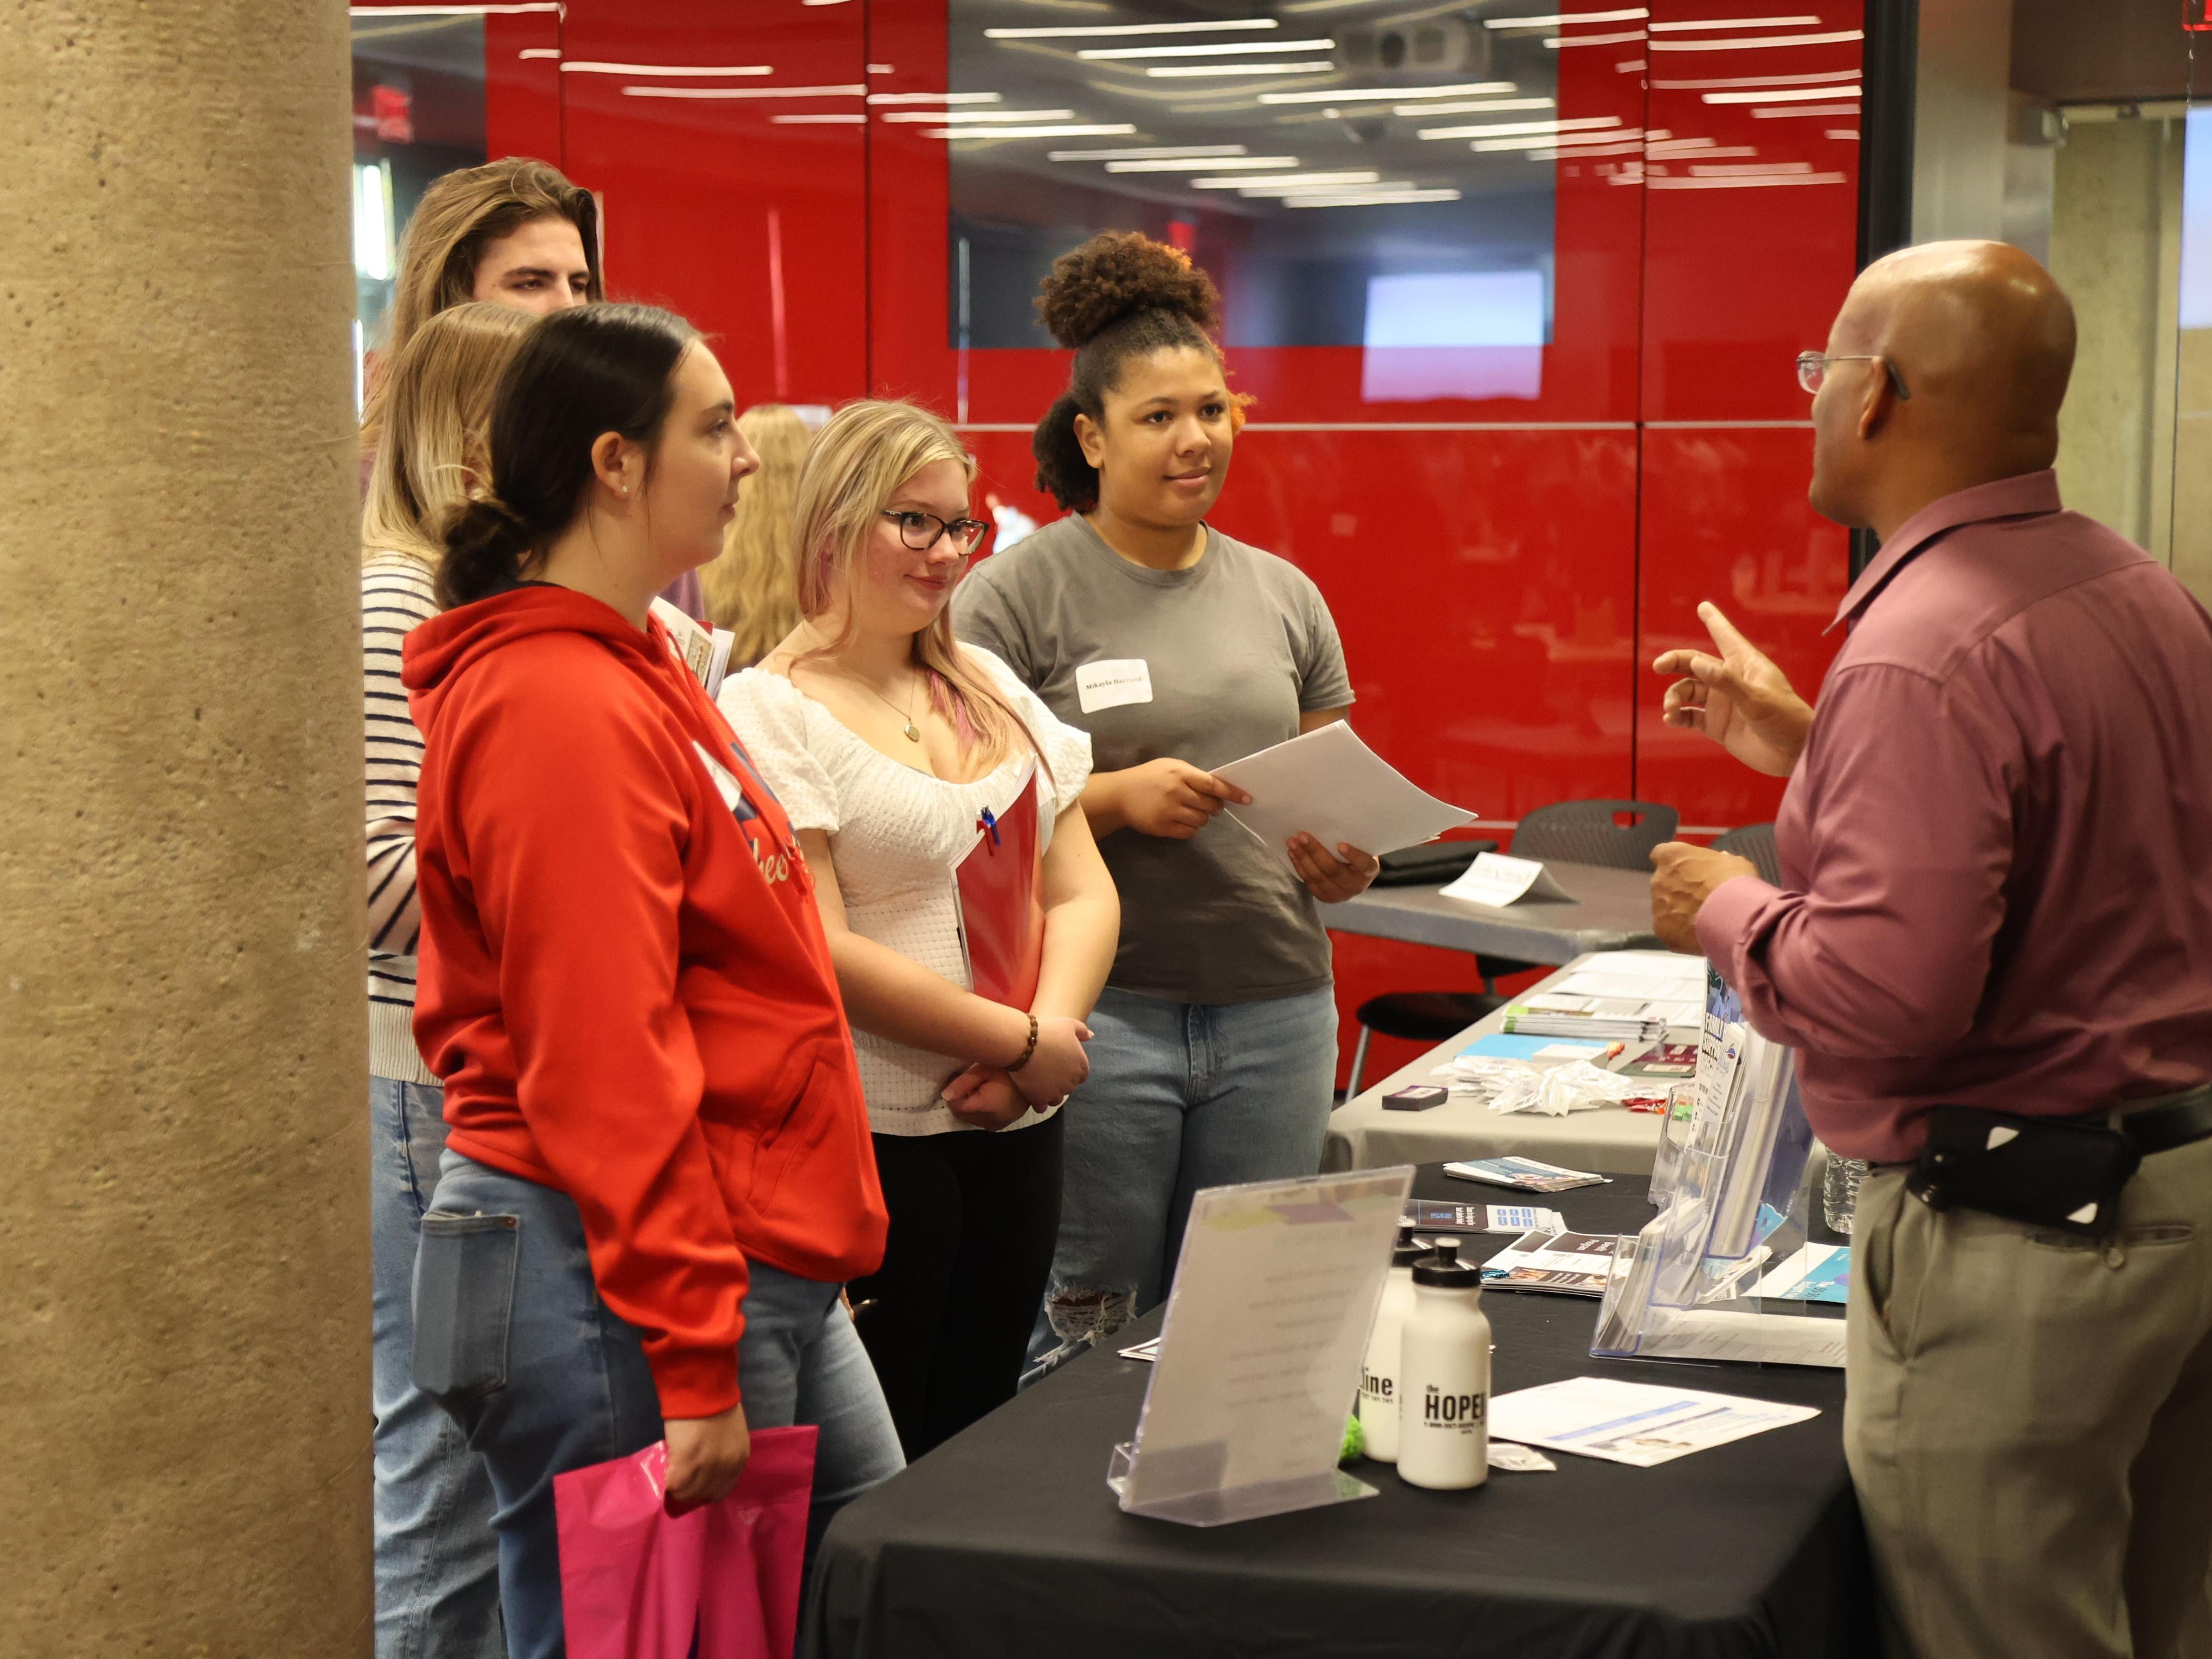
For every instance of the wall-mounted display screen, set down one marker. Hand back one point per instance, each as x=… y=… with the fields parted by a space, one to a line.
x=1373 y=173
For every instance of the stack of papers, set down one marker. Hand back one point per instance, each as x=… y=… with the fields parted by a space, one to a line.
x=1538 y=1050
x=1524 y=1173
x=1563 y=1263
x=1654 y=989
x=1329 y=785
x=1631 y=1019
x=1636 y=1423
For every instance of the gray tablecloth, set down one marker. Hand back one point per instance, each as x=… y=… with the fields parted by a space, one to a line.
x=1363 y=1135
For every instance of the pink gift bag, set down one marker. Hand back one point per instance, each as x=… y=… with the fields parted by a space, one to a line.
x=637 y=1583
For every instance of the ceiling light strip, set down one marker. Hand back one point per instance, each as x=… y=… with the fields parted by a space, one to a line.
x=1379 y=95
x=1144 y=152
x=1099 y=31
x=1802 y=22
x=1156 y=164
x=1506 y=129
x=1211 y=49
x=1392 y=199
x=1749 y=43
x=1814 y=78
x=1319 y=67
x=743 y=92
x=1749 y=184
x=1103 y=130
x=586 y=67
x=1778 y=95
x=1031 y=116
x=1472 y=108
x=1567 y=19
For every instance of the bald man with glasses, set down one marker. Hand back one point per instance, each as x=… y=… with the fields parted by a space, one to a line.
x=1992 y=950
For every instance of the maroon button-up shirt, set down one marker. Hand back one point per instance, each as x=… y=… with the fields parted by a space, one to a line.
x=1998 y=845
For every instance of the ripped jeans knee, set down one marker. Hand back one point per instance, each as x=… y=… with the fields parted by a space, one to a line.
x=1087 y=1313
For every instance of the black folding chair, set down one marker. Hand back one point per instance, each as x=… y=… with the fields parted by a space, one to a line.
x=1754 y=841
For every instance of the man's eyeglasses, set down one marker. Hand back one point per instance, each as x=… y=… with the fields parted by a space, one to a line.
x=1813 y=368
x=921 y=531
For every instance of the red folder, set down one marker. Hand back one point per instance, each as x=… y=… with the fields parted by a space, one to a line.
x=1002 y=915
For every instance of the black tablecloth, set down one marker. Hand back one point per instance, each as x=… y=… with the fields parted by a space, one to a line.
x=1006 y=1541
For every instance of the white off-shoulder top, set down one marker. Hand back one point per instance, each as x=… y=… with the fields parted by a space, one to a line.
x=895 y=835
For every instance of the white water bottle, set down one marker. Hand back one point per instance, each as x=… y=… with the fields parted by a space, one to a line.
x=1443 y=1376
x=1378 y=1373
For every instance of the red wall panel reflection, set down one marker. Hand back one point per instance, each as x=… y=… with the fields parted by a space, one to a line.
x=736 y=198
x=1749 y=239
x=1501 y=570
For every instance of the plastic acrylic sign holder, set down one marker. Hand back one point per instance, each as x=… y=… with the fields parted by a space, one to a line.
x=1738 y=1185
x=1275 y=1294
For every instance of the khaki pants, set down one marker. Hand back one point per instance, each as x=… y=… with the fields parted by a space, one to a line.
x=2029 y=1424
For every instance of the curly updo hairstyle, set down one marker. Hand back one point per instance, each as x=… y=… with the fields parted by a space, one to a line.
x=577 y=374
x=1118 y=296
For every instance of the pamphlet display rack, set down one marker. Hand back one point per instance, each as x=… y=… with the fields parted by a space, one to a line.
x=1259 y=1356
x=1737 y=1189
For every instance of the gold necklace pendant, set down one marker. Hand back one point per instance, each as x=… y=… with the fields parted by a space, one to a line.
x=912 y=734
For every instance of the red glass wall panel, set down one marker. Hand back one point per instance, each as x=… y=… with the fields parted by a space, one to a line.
x=522 y=85
x=735 y=199
x=1749 y=238
x=1501 y=570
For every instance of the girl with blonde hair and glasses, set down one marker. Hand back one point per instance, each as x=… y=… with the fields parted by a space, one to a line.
x=437 y=1566
x=887 y=740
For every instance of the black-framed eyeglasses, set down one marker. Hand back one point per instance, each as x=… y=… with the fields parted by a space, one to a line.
x=1813 y=368
x=922 y=531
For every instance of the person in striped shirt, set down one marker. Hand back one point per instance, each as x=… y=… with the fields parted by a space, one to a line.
x=437 y=1571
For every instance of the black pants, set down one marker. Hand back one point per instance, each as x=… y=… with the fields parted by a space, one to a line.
x=974 y=1218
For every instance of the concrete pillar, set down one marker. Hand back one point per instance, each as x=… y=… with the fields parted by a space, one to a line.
x=2115 y=222
x=184 y=1286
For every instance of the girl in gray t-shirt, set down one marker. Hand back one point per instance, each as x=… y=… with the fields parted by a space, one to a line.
x=1178 y=649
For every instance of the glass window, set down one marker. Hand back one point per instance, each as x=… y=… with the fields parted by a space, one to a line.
x=418 y=112
x=1350 y=177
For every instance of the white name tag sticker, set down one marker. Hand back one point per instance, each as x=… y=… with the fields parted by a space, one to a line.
x=1111 y=684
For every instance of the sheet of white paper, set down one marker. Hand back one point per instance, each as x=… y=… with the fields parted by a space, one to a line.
x=1636 y=1423
x=1584 y=983
x=1331 y=786
x=1496 y=880
x=1649 y=964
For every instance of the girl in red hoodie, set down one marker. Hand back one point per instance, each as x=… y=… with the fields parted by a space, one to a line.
x=657 y=1172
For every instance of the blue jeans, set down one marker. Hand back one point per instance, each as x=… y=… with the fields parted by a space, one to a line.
x=1180 y=1097
x=512 y=1338
x=437 y=1562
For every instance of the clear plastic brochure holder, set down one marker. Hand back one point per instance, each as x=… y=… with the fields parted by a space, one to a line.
x=1274 y=1296
x=1738 y=1188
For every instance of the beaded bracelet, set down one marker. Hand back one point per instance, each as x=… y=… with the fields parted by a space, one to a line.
x=1027 y=1051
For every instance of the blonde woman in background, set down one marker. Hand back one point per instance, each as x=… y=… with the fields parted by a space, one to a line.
x=437 y=1566
x=886 y=740
x=752 y=589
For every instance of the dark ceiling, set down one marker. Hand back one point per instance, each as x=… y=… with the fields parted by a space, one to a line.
x=2077 y=51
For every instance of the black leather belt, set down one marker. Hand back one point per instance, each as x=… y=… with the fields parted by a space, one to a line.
x=2172 y=1123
